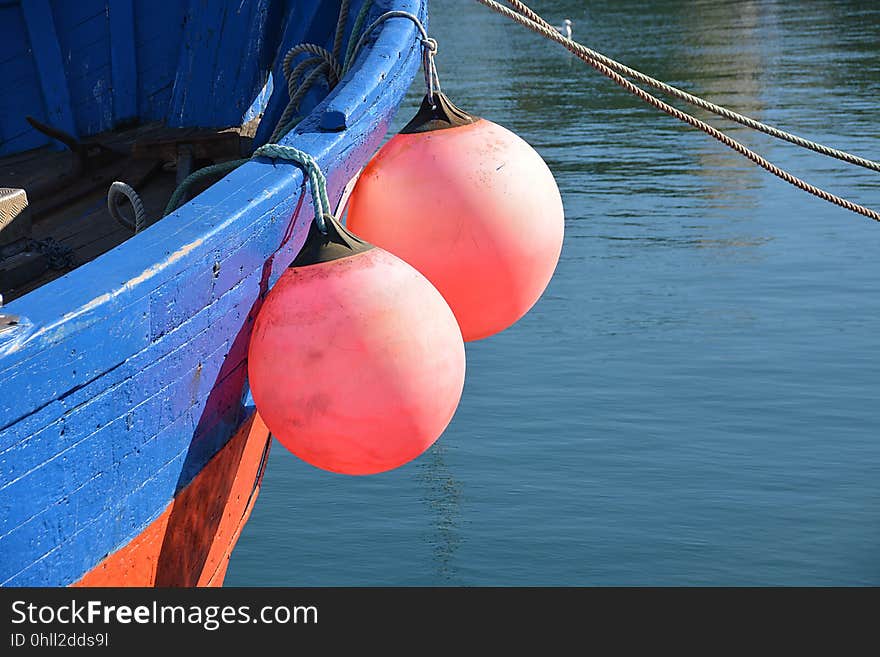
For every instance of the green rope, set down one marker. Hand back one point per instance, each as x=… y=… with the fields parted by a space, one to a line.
x=320 y=198
x=195 y=176
x=316 y=178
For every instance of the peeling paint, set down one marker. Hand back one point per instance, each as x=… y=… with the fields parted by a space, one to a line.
x=148 y=273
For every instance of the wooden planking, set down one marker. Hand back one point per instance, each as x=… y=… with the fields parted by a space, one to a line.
x=246 y=37
x=65 y=365
x=123 y=60
x=92 y=473
x=202 y=45
x=26 y=537
x=211 y=87
x=141 y=376
x=158 y=38
x=187 y=544
x=50 y=66
x=243 y=263
x=20 y=74
x=84 y=470
x=236 y=32
x=77 y=552
x=23 y=141
x=247 y=198
x=84 y=224
x=83 y=505
x=88 y=472
x=14 y=43
x=84 y=38
x=140 y=379
x=33 y=167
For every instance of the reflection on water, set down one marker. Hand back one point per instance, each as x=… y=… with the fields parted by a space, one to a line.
x=694 y=399
x=441 y=498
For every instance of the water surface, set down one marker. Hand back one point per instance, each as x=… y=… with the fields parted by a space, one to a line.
x=696 y=398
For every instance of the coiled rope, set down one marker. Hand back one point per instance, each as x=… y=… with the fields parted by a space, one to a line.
x=58 y=255
x=527 y=17
x=324 y=64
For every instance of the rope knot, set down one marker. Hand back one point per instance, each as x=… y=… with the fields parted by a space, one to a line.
x=314 y=175
x=432 y=79
x=430 y=45
x=429 y=48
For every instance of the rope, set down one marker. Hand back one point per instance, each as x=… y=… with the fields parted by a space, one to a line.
x=340 y=28
x=320 y=199
x=584 y=54
x=117 y=192
x=59 y=256
x=324 y=64
x=429 y=49
x=320 y=53
x=579 y=49
x=195 y=176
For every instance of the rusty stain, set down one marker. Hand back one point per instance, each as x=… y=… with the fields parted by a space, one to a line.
x=197 y=377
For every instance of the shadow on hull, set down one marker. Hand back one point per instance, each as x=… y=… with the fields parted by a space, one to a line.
x=190 y=543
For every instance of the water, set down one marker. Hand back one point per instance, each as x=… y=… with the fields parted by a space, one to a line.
x=695 y=398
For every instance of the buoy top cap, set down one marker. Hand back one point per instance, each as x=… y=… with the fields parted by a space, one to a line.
x=439 y=115
x=335 y=244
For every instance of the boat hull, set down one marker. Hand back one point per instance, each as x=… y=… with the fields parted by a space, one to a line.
x=125 y=380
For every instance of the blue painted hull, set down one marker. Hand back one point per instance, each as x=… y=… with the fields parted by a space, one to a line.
x=124 y=377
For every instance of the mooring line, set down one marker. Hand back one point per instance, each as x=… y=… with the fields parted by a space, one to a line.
x=527 y=17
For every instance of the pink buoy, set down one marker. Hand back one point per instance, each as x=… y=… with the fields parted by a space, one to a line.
x=356 y=363
x=470 y=205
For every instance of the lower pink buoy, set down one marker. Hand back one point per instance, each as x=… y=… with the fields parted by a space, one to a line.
x=356 y=363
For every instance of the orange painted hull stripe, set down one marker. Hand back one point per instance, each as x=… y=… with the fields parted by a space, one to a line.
x=190 y=543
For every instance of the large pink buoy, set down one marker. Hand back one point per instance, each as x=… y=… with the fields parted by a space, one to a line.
x=471 y=206
x=356 y=363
